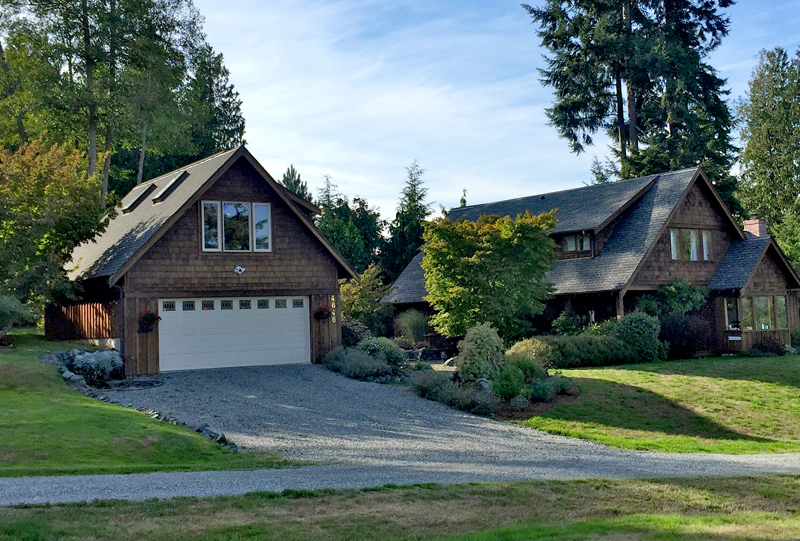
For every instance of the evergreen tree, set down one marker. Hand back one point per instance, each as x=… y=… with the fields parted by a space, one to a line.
x=354 y=231
x=405 y=231
x=644 y=60
x=291 y=180
x=770 y=120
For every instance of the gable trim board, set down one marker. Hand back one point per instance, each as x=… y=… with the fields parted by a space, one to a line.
x=148 y=255
x=629 y=227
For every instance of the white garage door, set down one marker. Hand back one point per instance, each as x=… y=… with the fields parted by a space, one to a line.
x=225 y=332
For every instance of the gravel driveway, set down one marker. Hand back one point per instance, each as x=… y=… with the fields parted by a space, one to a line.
x=384 y=435
x=307 y=412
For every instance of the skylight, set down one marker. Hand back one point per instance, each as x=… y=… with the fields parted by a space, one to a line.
x=168 y=188
x=135 y=203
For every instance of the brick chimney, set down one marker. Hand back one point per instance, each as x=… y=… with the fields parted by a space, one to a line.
x=756 y=226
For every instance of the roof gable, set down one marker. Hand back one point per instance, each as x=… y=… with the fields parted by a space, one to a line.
x=131 y=234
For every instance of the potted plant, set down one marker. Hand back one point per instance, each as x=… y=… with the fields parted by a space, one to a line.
x=148 y=321
x=323 y=312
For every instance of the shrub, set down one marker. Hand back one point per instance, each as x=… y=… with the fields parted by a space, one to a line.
x=606 y=328
x=768 y=348
x=507 y=381
x=679 y=297
x=562 y=383
x=543 y=390
x=796 y=338
x=567 y=324
x=685 y=334
x=529 y=367
x=97 y=366
x=385 y=348
x=439 y=386
x=353 y=332
x=535 y=349
x=12 y=312
x=356 y=363
x=588 y=350
x=649 y=305
x=412 y=325
x=479 y=353
x=640 y=333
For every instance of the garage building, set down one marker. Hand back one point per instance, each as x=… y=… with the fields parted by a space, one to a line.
x=212 y=265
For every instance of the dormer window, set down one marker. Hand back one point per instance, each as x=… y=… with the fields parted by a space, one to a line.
x=579 y=242
x=236 y=226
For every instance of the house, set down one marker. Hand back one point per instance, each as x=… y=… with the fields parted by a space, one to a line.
x=621 y=240
x=225 y=256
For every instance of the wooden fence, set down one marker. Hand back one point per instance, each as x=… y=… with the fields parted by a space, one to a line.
x=89 y=320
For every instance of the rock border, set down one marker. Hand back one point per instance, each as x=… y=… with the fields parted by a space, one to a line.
x=77 y=383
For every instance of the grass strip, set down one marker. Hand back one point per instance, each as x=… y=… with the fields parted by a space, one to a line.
x=48 y=429
x=718 y=405
x=764 y=508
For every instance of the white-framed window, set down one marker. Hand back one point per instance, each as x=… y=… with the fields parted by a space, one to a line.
x=211 y=227
x=262 y=227
x=233 y=226
x=690 y=245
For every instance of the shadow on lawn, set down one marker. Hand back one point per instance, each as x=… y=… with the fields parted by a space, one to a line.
x=628 y=407
x=779 y=370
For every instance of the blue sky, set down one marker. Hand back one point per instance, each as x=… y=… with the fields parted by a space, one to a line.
x=358 y=89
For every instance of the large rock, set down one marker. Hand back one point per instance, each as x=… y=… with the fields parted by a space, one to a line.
x=519 y=401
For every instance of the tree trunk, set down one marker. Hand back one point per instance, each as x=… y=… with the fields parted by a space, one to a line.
x=11 y=87
x=89 y=60
x=633 y=131
x=140 y=173
x=112 y=83
x=620 y=115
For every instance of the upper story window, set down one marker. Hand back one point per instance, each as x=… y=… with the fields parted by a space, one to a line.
x=578 y=242
x=236 y=226
x=690 y=244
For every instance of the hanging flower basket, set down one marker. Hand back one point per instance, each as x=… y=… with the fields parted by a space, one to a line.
x=148 y=322
x=323 y=312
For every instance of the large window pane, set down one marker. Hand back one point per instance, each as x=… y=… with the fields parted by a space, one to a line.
x=262 y=227
x=732 y=313
x=236 y=225
x=780 y=313
x=674 y=243
x=706 y=245
x=587 y=242
x=571 y=246
x=747 y=314
x=210 y=225
x=690 y=240
x=763 y=309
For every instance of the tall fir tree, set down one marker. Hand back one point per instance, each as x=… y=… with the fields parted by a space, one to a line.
x=405 y=231
x=770 y=131
x=635 y=69
x=291 y=181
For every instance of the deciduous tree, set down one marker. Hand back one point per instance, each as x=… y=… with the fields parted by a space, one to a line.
x=491 y=271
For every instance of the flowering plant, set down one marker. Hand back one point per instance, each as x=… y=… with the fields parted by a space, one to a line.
x=323 y=312
x=148 y=321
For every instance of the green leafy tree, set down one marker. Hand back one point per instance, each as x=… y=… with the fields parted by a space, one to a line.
x=48 y=205
x=291 y=181
x=490 y=271
x=770 y=131
x=361 y=300
x=406 y=230
x=355 y=231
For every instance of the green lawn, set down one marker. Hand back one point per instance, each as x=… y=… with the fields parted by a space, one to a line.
x=718 y=509
x=48 y=429
x=719 y=405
